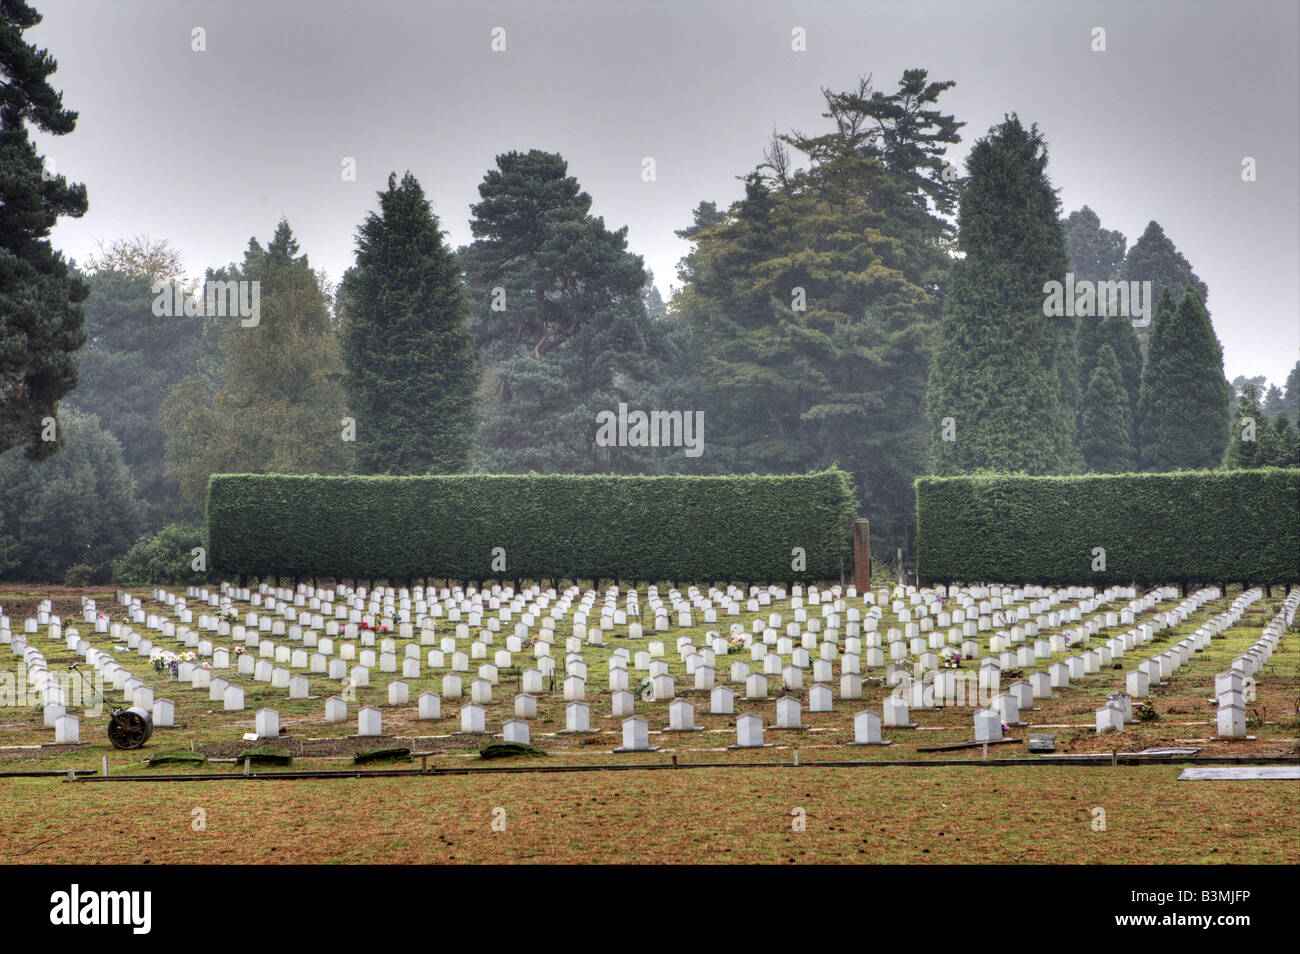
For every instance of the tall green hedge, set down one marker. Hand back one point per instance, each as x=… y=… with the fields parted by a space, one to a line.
x=1185 y=527
x=554 y=526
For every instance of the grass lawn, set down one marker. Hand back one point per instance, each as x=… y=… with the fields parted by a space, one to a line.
x=946 y=815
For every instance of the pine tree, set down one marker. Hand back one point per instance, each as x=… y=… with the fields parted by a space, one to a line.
x=1248 y=433
x=412 y=372
x=1183 y=413
x=1118 y=333
x=559 y=317
x=1291 y=394
x=1003 y=370
x=1106 y=433
x=40 y=300
x=1273 y=402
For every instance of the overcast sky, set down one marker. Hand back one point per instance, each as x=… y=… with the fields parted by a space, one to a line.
x=207 y=149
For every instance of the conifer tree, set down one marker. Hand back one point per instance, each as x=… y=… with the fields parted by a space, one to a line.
x=412 y=372
x=40 y=299
x=1003 y=372
x=1183 y=412
x=1106 y=431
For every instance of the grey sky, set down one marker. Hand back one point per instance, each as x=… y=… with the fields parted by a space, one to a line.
x=208 y=149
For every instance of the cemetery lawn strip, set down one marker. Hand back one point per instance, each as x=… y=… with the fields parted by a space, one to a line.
x=948 y=815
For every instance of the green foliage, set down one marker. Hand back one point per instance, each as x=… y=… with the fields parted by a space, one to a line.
x=77 y=507
x=390 y=754
x=560 y=314
x=1106 y=433
x=1193 y=527
x=1004 y=372
x=1248 y=433
x=177 y=757
x=1183 y=411
x=40 y=299
x=815 y=297
x=1095 y=253
x=552 y=526
x=411 y=370
x=129 y=363
x=265 y=755
x=1281 y=444
x=506 y=750
x=1153 y=258
x=165 y=557
x=275 y=405
x=1291 y=394
x=78 y=575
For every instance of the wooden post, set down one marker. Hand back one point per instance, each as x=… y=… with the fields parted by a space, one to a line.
x=862 y=555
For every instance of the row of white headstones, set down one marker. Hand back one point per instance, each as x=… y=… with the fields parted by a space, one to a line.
x=986 y=607
x=1231 y=686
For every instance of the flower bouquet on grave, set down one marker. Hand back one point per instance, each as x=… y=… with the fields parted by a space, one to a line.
x=951 y=657
x=239 y=650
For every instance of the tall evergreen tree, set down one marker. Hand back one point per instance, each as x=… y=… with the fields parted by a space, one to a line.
x=412 y=372
x=1183 y=413
x=1248 y=433
x=815 y=297
x=561 y=323
x=1273 y=402
x=277 y=405
x=1095 y=253
x=1002 y=369
x=1154 y=258
x=1117 y=332
x=1291 y=394
x=40 y=300
x=1106 y=430
x=1282 y=444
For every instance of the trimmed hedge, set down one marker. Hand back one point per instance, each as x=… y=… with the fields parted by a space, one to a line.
x=550 y=526
x=1184 y=527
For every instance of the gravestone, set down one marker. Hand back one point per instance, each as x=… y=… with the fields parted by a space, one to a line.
x=234 y=699
x=819 y=698
x=749 y=732
x=866 y=729
x=67 y=730
x=722 y=701
x=636 y=736
x=298 y=687
x=624 y=703
x=1137 y=684
x=681 y=716
x=988 y=725
x=516 y=730
x=756 y=686
x=370 y=722
x=577 y=718
x=399 y=693
x=164 y=714
x=268 y=724
x=525 y=706
x=896 y=713
x=336 y=709
x=787 y=713
x=1110 y=717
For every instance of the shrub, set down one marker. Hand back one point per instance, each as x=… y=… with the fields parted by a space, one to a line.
x=77 y=575
x=1184 y=527
x=480 y=527
x=165 y=557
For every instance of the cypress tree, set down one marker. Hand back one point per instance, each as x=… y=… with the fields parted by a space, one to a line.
x=1003 y=371
x=1183 y=413
x=1106 y=433
x=1248 y=433
x=40 y=300
x=1280 y=444
x=412 y=371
